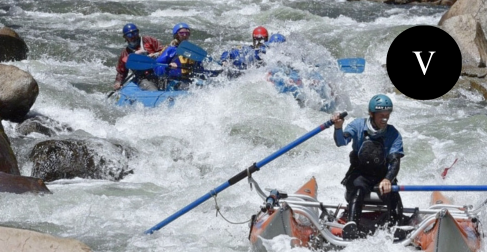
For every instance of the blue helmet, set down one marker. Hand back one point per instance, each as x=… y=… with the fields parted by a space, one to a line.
x=380 y=103
x=179 y=26
x=130 y=30
x=277 y=38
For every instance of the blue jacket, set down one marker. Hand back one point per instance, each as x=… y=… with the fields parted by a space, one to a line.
x=355 y=132
x=243 y=56
x=185 y=66
x=391 y=138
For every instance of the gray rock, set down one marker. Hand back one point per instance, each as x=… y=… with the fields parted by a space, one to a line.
x=42 y=125
x=18 y=92
x=470 y=38
x=8 y=161
x=84 y=158
x=22 y=184
x=13 y=46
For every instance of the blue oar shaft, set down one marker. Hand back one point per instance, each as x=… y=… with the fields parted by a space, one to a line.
x=294 y=144
x=255 y=167
x=397 y=188
x=188 y=208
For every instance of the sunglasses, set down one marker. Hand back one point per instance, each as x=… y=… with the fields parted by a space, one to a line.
x=130 y=35
x=185 y=33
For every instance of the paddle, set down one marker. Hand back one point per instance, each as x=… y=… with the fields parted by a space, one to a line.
x=141 y=62
x=445 y=171
x=121 y=85
x=247 y=172
x=185 y=48
x=351 y=65
x=191 y=51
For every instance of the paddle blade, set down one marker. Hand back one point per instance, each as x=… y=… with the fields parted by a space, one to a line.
x=191 y=51
x=351 y=65
x=443 y=174
x=140 y=62
x=445 y=171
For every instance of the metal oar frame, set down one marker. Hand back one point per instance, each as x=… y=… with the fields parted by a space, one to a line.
x=303 y=205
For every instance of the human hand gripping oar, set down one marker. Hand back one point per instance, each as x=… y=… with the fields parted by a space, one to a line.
x=121 y=85
x=427 y=188
x=255 y=167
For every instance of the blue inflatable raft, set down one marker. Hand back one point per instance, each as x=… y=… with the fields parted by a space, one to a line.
x=131 y=94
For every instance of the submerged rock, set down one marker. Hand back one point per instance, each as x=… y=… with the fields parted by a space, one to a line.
x=14 y=239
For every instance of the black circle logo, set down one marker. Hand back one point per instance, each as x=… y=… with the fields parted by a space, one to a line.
x=424 y=62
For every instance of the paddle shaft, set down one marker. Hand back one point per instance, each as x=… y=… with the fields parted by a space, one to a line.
x=121 y=85
x=243 y=174
x=397 y=188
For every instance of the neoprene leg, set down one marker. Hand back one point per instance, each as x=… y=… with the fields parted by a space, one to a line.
x=355 y=206
x=351 y=230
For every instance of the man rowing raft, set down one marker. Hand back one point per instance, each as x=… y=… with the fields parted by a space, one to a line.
x=375 y=159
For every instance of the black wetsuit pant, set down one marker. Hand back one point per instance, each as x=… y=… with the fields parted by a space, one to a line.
x=358 y=186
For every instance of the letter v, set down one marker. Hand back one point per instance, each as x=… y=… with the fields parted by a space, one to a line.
x=421 y=61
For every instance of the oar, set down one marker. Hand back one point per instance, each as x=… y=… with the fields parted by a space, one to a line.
x=121 y=85
x=191 y=51
x=445 y=171
x=397 y=188
x=142 y=62
x=255 y=167
x=351 y=65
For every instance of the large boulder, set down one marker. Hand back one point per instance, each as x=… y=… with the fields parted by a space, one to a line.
x=470 y=37
x=14 y=239
x=8 y=161
x=419 y=2
x=84 y=158
x=13 y=46
x=18 y=92
x=477 y=8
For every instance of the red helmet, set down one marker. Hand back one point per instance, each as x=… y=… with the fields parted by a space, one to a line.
x=260 y=33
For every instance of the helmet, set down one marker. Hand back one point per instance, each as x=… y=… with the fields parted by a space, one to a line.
x=277 y=38
x=179 y=26
x=260 y=32
x=130 y=30
x=380 y=103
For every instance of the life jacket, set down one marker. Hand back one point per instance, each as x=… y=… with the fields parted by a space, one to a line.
x=372 y=157
x=140 y=74
x=186 y=66
x=130 y=50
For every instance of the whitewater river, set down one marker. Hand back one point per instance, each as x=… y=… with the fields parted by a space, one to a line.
x=201 y=142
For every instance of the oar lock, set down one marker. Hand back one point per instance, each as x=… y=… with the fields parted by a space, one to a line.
x=273 y=200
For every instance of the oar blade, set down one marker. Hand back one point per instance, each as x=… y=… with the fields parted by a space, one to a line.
x=191 y=51
x=351 y=65
x=139 y=62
